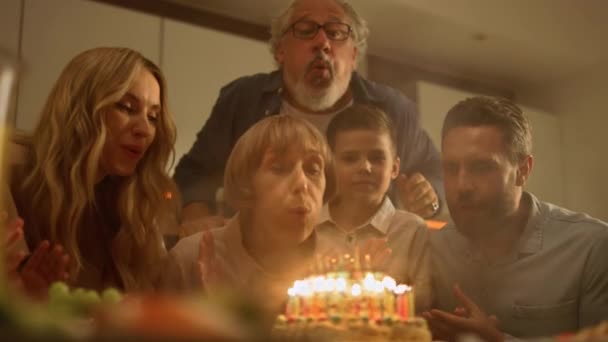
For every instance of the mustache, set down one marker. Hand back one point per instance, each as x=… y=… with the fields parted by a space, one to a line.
x=321 y=57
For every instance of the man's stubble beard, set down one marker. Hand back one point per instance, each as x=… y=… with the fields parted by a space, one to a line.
x=490 y=220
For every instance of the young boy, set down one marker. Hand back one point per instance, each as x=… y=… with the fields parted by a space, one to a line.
x=276 y=177
x=363 y=142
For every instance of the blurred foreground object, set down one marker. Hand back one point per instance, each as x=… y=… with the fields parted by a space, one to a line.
x=69 y=314
x=8 y=76
x=595 y=333
x=156 y=316
x=74 y=314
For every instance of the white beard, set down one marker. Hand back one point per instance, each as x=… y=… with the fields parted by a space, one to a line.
x=318 y=100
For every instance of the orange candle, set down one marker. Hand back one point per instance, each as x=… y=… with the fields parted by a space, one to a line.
x=405 y=306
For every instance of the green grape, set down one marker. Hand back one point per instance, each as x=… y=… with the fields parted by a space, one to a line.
x=78 y=298
x=61 y=302
x=58 y=291
x=85 y=297
x=91 y=297
x=78 y=294
x=83 y=301
x=111 y=296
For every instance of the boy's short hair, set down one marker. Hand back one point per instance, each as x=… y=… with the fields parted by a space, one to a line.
x=279 y=132
x=363 y=117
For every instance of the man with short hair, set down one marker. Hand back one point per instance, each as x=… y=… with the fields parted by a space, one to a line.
x=316 y=44
x=536 y=268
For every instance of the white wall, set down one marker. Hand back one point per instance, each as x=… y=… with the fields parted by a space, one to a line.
x=546 y=180
x=434 y=101
x=55 y=31
x=10 y=14
x=581 y=104
x=197 y=63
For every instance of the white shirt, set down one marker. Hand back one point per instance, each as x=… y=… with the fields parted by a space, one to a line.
x=406 y=235
x=320 y=121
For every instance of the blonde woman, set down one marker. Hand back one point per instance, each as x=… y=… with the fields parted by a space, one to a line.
x=94 y=178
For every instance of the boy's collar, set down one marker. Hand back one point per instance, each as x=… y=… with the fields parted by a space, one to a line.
x=380 y=220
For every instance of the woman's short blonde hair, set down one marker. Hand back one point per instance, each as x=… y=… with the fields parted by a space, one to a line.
x=279 y=133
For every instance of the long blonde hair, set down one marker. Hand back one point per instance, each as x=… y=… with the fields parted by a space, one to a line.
x=66 y=148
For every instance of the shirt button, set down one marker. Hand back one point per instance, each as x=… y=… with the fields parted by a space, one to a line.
x=267 y=112
x=349 y=238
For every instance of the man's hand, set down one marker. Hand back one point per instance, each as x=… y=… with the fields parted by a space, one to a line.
x=467 y=319
x=417 y=195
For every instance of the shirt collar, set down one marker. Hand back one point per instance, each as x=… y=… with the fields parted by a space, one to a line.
x=380 y=221
x=530 y=241
x=274 y=82
x=360 y=89
x=234 y=244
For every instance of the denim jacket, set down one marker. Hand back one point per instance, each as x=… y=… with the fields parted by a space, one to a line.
x=249 y=99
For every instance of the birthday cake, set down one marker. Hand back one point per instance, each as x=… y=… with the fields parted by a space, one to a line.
x=350 y=304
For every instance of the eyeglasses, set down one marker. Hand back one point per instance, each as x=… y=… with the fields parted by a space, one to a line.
x=308 y=29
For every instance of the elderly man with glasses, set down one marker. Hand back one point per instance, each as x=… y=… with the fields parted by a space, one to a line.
x=316 y=45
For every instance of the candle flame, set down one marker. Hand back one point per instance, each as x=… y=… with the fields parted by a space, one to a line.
x=389 y=283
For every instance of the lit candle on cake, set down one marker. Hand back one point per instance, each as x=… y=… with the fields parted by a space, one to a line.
x=412 y=302
x=356 y=293
x=389 y=298
x=402 y=301
x=318 y=288
x=293 y=305
x=368 y=288
x=341 y=285
x=304 y=291
x=377 y=301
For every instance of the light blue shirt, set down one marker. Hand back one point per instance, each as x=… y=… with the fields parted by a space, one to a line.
x=554 y=281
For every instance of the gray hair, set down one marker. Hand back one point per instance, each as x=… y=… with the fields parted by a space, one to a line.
x=359 y=25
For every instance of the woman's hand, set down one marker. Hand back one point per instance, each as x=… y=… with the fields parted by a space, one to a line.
x=44 y=266
x=211 y=271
